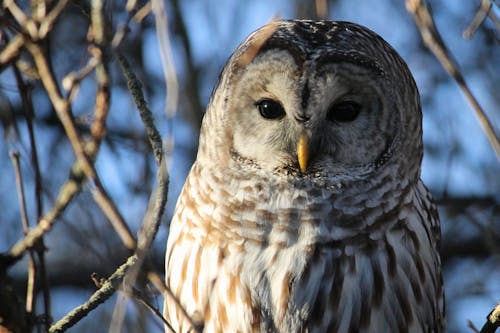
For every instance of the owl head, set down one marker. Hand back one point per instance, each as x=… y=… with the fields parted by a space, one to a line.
x=315 y=99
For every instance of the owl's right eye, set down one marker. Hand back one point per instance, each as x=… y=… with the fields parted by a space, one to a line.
x=270 y=109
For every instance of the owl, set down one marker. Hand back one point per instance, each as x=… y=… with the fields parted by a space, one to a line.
x=304 y=210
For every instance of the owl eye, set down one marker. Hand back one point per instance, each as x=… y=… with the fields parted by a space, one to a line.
x=344 y=111
x=270 y=109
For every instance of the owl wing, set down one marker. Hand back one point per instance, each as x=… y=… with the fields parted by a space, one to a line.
x=198 y=272
x=381 y=281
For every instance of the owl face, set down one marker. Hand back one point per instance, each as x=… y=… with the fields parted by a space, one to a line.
x=319 y=98
x=338 y=113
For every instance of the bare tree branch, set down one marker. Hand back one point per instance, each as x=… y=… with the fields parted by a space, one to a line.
x=165 y=290
x=11 y=51
x=135 y=88
x=158 y=199
x=169 y=72
x=481 y=14
x=30 y=289
x=195 y=112
x=50 y=18
x=25 y=93
x=24 y=20
x=435 y=43
x=492 y=321
x=67 y=192
x=107 y=289
x=63 y=109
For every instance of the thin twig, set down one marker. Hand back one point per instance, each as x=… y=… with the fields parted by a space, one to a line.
x=67 y=192
x=137 y=295
x=61 y=105
x=107 y=289
x=153 y=215
x=142 y=12
x=101 y=109
x=50 y=18
x=123 y=28
x=434 y=42
x=470 y=325
x=39 y=10
x=169 y=73
x=11 y=51
x=481 y=14
x=135 y=88
x=63 y=110
x=71 y=82
x=165 y=290
x=158 y=198
x=494 y=18
x=98 y=128
x=22 y=19
x=321 y=9
x=130 y=5
x=14 y=156
x=27 y=104
x=84 y=158
x=30 y=289
x=40 y=248
x=195 y=112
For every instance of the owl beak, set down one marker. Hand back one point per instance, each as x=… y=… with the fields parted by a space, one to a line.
x=303 y=151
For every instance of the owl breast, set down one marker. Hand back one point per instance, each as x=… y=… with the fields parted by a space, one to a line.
x=277 y=256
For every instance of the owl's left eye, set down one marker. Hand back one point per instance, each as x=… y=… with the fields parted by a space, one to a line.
x=344 y=111
x=270 y=109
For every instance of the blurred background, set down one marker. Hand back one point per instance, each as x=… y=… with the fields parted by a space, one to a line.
x=459 y=166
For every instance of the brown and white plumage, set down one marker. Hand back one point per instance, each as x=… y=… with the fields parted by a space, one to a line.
x=344 y=241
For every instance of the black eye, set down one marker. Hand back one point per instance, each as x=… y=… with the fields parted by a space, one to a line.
x=344 y=111
x=270 y=109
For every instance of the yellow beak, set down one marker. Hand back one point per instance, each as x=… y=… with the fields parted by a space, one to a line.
x=303 y=151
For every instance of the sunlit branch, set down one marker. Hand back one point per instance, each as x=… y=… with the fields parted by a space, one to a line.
x=434 y=42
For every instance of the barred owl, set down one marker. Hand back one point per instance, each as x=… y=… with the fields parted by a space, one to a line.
x=304 y=210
